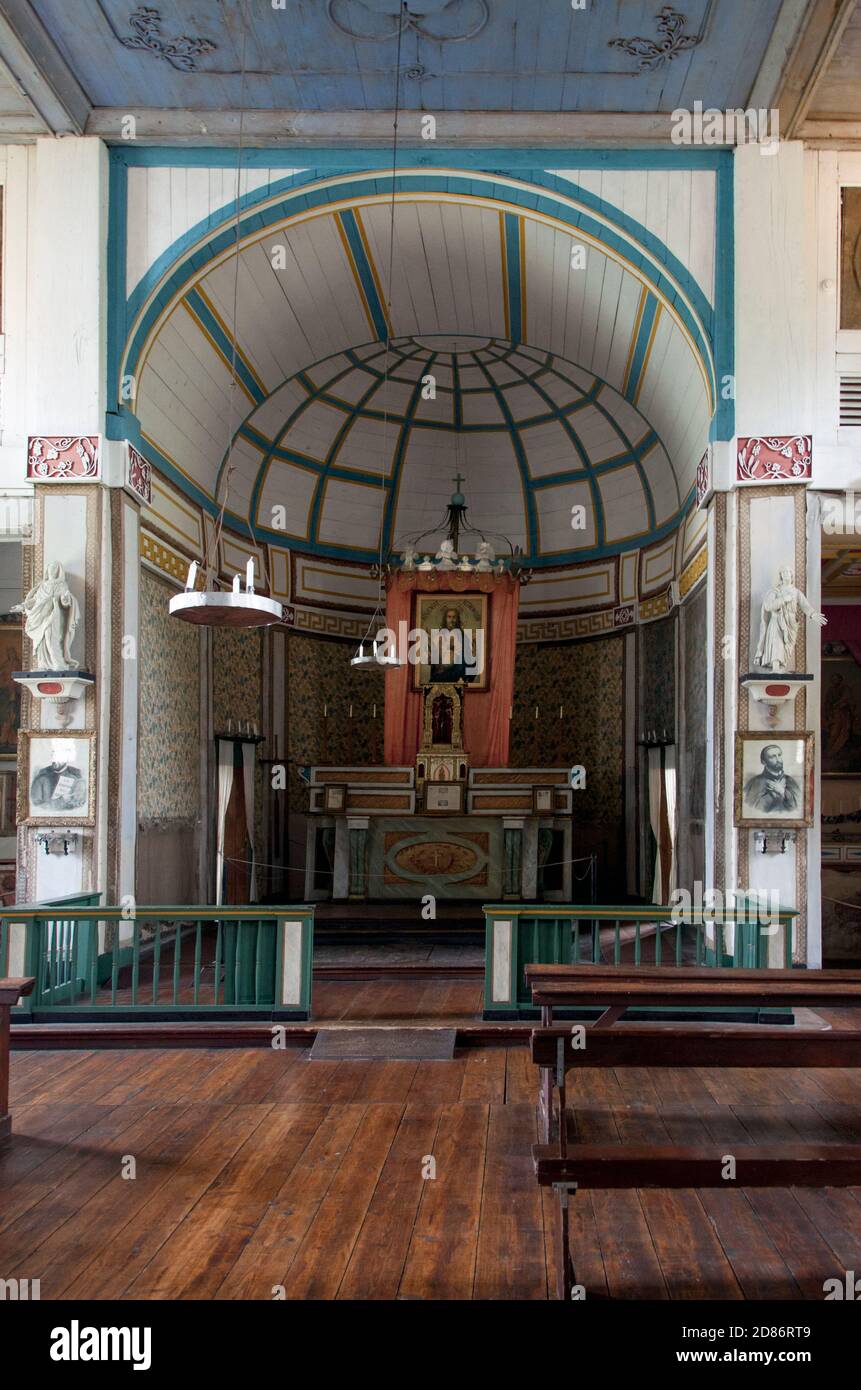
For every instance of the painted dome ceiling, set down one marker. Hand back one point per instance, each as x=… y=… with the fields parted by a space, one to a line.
x=532 y=435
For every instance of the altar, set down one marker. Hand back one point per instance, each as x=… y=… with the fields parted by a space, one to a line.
x=370 y=836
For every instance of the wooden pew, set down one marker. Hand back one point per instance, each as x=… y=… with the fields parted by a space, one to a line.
x=692 y=1044
x=10 y=993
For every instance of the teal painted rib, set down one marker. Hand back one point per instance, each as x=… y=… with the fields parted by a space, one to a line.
x=635 y=371
x=364 y=270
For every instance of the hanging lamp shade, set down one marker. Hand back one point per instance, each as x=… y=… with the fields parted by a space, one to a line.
x=365 y=659
x=236 y=607
x=226 y=609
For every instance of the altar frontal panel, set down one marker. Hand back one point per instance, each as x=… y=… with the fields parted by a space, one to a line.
x=458 y=858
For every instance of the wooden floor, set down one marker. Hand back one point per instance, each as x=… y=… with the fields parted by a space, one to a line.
x=257 y=1168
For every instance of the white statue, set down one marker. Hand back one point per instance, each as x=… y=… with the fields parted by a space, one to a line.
x=426 y=564
x=446 y=555
x=465 y=564
x=778 y=627
x=50 y=620
x=485 y=555
x=409 y=557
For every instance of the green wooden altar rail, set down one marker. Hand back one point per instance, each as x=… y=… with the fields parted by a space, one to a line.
x=163 y=962
x=520 y=934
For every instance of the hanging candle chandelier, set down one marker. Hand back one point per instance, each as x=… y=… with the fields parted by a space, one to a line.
x=371 y=653
x=239 y=606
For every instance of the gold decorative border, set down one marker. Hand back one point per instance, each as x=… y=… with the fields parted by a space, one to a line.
x=657 y=607
x=694 y=571
x=163 y=557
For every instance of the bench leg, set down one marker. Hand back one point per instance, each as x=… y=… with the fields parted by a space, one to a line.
x=564 y=1264
x=545 y=1104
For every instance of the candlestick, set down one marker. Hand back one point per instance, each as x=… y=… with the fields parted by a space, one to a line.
x=560 y=711
x=325 y=711
x=374 y=715
x=249 y=576
x=536 y=711
x=351 y=712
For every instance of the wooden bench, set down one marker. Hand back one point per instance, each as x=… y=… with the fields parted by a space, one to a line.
x=10 y=993
x=607 y=1043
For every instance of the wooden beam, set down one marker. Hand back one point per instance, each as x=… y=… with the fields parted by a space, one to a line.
x=287 y=128
x=698 y=1045
x=672 y=1165
x=811 y=55
x=40 y=69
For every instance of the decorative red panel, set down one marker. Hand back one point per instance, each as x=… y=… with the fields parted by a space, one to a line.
x=776 y=459
x=63 y=458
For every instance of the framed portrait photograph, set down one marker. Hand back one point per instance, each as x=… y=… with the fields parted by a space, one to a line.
x=57 y=785
x=457 y=631
x=10 y=691
x=774 y=779
x=443 y=798
x=335 y=796
x=841 y=716
x=542 y=800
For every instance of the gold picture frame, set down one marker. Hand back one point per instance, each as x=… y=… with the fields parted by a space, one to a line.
x=472 y=611
x=774 y=791
x=64 y=773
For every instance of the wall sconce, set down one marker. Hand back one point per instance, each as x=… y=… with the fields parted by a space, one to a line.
x=772 y=841
x=57 y=841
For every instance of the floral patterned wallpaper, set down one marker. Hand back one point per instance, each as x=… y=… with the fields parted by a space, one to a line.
x=237 y=670
x=585 y=679
x=319 y=675
x=658 y=676
x=169 y=739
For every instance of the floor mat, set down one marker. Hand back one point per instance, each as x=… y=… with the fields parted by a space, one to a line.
x=390 y=1044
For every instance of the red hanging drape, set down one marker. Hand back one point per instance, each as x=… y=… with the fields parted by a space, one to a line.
x=486 y=715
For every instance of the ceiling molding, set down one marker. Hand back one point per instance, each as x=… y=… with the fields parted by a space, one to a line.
x=371 y=128
x=41 y=72
x=784 y=37
x=814 y=49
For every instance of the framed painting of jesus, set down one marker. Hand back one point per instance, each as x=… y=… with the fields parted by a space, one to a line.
x=455 y=640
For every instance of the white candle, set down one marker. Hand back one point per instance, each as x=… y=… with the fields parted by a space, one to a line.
x=536 y=711
x=325 y=711
x=249 y=575
x=560 y=711
x=351 y=711
x=375 y=712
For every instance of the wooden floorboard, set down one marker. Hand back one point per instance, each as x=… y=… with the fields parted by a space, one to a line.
x=261 y=1174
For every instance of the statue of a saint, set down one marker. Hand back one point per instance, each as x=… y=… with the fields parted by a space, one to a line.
x=409 y=557
x=50 y=620
x=441 y=719
x=778 y=627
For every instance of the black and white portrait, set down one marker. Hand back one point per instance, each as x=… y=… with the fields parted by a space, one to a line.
x=59 y=778
x=772 y=777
